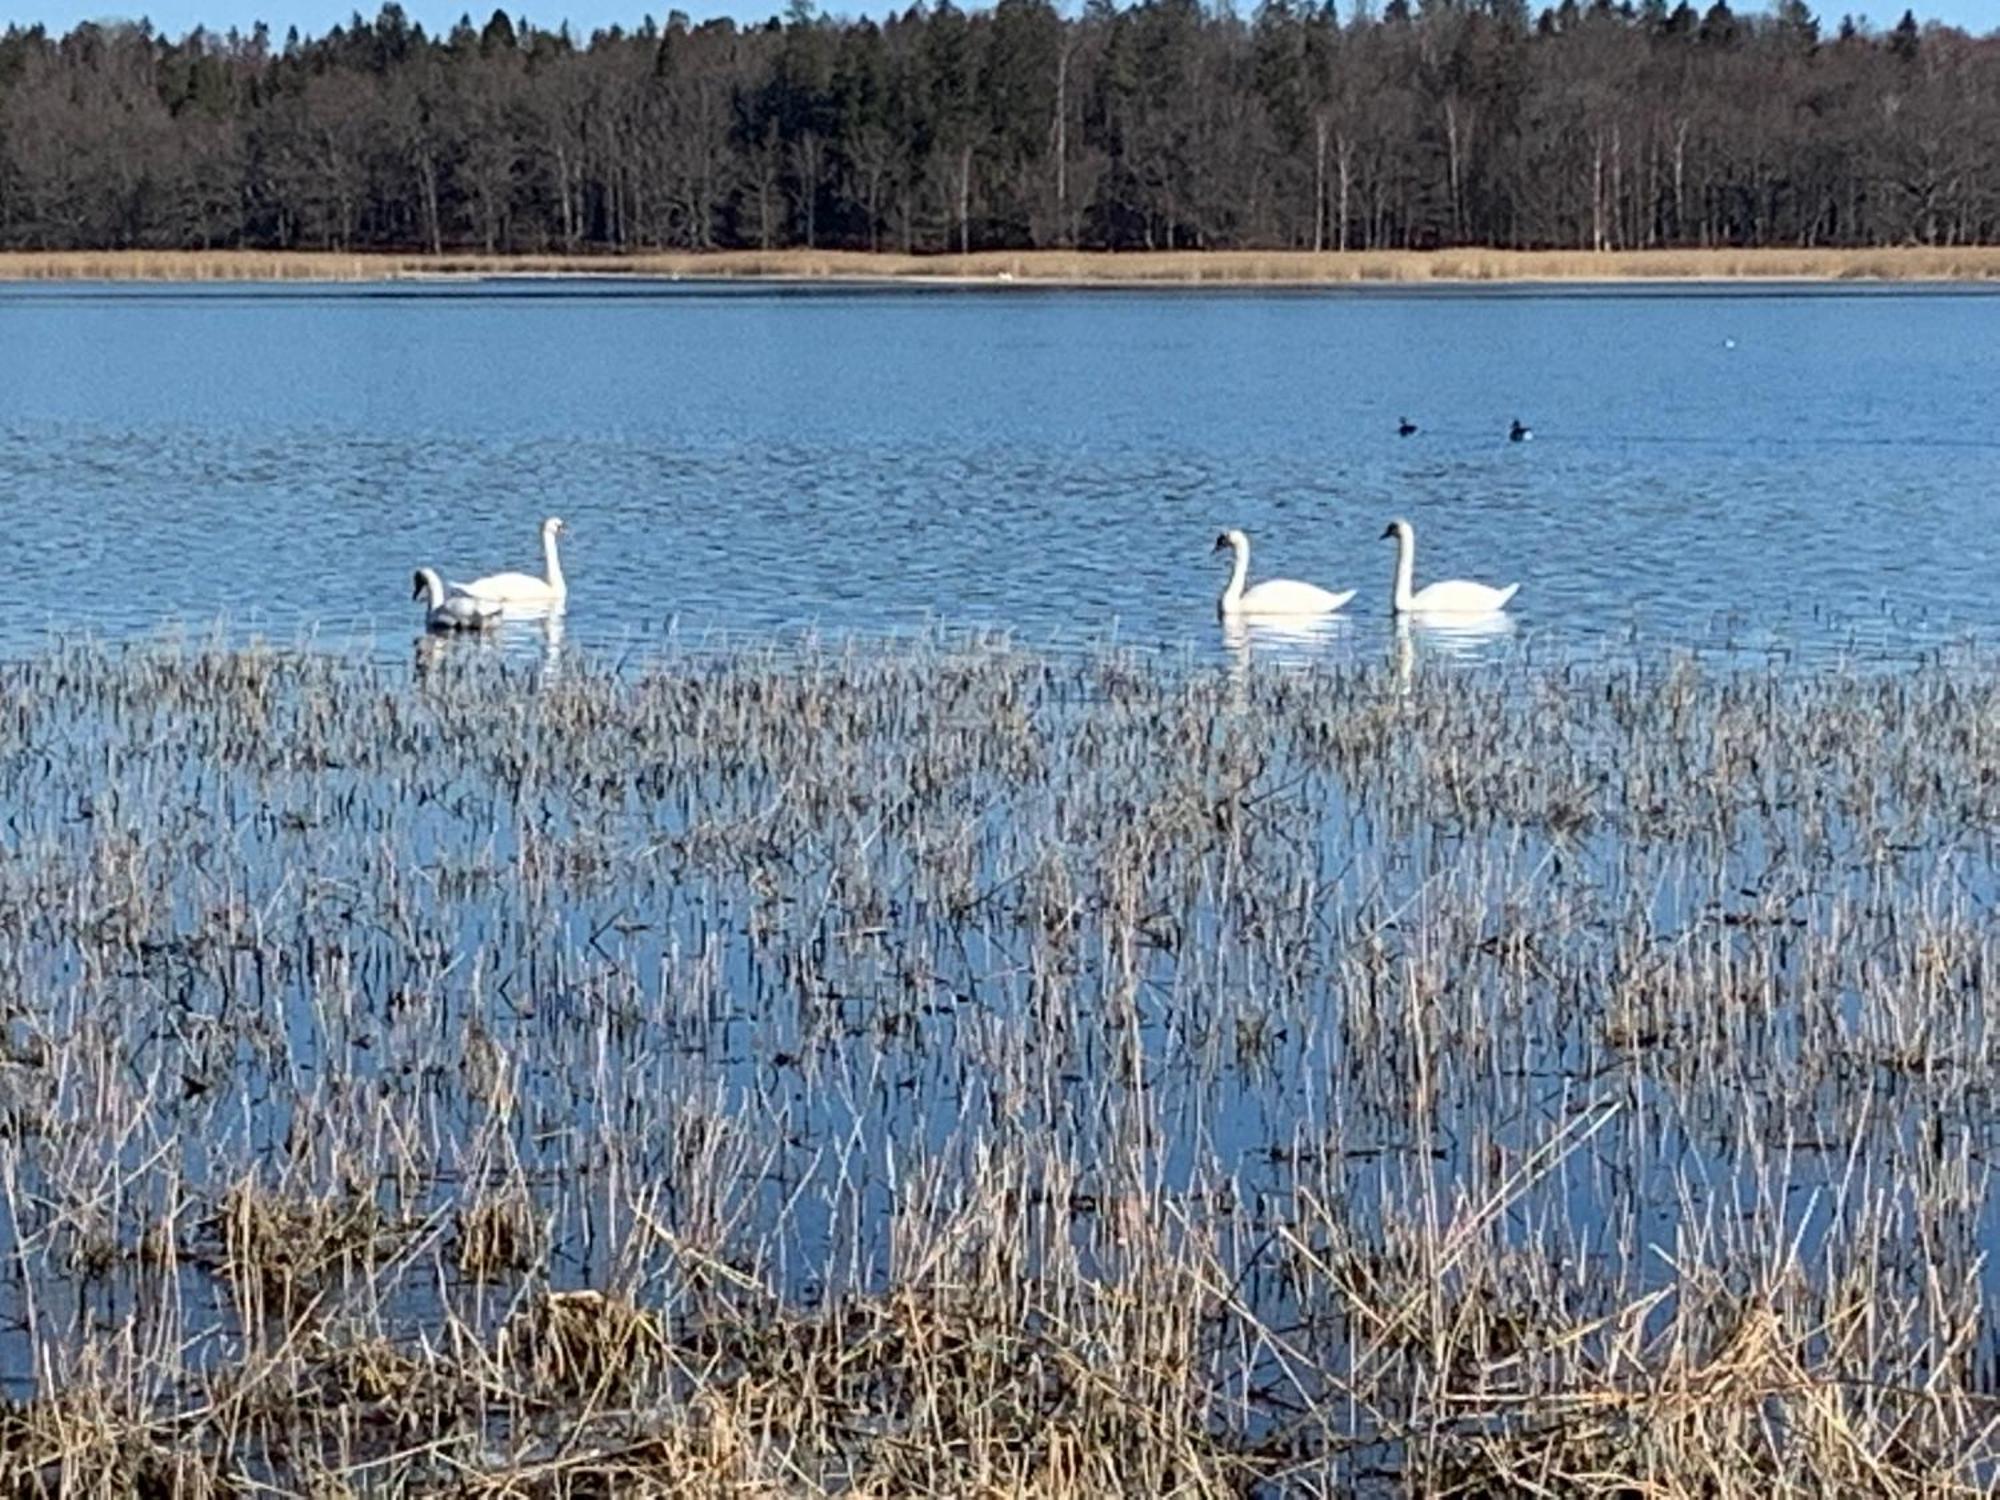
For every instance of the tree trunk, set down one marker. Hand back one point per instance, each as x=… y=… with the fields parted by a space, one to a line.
x=1618 y=236
x=568 y=204
x=1597 y=191
x=1059 y=145
x=1455 y=164
x=965 y=199
x=427 y=176
x=1343 y=155
x=1319 y=184
x=1680 y=179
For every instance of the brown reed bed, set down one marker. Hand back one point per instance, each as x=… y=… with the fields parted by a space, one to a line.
x=1053 y=267
x=946 y=1068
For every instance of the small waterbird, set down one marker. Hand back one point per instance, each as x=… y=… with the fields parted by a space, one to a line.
x=1519 y=432
x=1406 y=428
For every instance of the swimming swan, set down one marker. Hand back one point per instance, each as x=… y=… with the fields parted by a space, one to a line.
x=1451 y=596
x=524 y=588
x=452 y=611
x=1276 y=596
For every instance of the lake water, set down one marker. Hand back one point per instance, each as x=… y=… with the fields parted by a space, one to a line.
x=1538 y=991
x=1775 y=467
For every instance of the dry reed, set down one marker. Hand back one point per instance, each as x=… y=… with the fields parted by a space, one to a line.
x=947 y=1068
x=1140 y=268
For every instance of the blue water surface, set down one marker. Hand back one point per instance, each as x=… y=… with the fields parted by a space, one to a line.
x=1789 y=468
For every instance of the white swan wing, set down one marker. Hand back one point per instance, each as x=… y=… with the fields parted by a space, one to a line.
x=1286 y=596
x=505 y=588
x=1457 y=596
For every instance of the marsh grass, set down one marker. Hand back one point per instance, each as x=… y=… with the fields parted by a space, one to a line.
x=1162 y=268
x=947 y=1068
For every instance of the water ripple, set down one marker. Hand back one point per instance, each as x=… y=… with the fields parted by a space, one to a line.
x=1051 y=465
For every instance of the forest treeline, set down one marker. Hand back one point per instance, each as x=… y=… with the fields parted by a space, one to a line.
x=1163 y=125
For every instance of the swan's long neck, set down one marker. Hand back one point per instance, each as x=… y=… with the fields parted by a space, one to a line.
x=1233 y=595
x=553 y=563
x=1406 y=567
x=433 y=590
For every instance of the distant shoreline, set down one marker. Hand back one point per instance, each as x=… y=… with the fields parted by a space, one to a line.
x=1032 y=267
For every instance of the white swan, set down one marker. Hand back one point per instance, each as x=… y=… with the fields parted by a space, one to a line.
x=1451 y=596
x=451 y=611
x=1275 y=596
x=524 y=588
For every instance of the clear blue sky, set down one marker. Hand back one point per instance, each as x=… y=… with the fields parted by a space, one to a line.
x=318 y=16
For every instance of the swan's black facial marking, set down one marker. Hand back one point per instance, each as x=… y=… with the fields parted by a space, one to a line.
x=1387 y=532
x=1222 y=542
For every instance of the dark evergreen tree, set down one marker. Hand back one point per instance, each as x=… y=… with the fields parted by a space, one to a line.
x=1612 y=123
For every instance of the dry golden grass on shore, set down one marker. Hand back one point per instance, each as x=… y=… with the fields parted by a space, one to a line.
x=1171 y=268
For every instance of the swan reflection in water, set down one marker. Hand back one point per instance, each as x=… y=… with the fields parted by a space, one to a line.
x=1292 y=641
x=1466 y=638
x=552 y=645
x=1448 y=638
x=511 y=639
